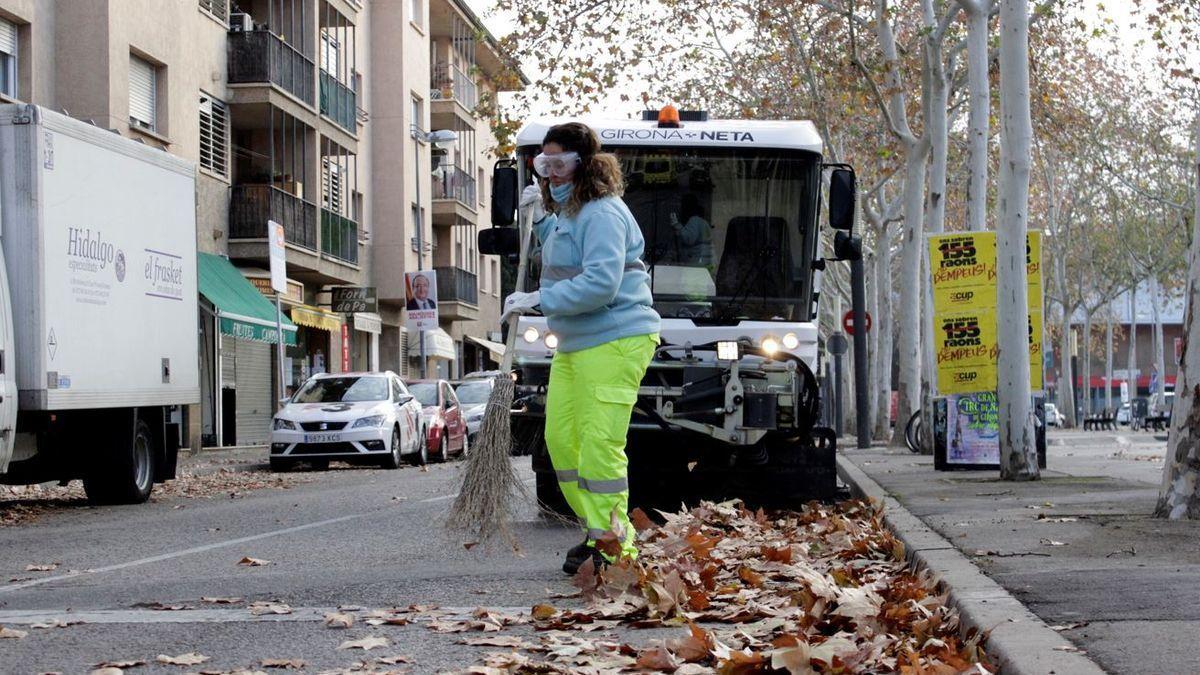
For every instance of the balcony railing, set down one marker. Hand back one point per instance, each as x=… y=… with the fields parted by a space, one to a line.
x=338 y=102
x=451 y=182
x=455 y=284
x=339 y=236
x=260 y=56
x=251 y=206
x=450 y=82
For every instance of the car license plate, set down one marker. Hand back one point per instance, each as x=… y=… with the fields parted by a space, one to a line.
x=322 y=438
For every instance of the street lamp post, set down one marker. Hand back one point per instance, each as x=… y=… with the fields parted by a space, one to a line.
x=443 y=139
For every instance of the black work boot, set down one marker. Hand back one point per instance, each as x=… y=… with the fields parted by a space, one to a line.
x=577 y=555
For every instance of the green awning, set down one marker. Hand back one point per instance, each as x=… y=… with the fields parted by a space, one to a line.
x=244 y=312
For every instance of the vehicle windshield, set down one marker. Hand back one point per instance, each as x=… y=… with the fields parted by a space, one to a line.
x=471 y=393
x=343 y=390
x=730 y=233
x=425 y=392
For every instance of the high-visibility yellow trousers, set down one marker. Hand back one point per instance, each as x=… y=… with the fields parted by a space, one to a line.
x=588 y=405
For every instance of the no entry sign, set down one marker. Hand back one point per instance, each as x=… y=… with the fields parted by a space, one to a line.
x=848 y=322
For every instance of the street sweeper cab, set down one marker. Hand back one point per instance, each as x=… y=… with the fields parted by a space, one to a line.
x=729 y=212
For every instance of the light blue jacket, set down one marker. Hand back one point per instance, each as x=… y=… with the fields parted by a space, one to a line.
x=595 y=287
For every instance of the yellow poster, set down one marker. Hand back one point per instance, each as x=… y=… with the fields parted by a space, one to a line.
x=963 y=273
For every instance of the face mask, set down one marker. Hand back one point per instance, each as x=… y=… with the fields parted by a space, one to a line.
x=561 y=193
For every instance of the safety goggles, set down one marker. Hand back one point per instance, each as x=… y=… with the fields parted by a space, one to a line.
x=558 y=165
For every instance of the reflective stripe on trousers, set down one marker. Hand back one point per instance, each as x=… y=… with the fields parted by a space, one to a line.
x=564 y=272
x=588 y=405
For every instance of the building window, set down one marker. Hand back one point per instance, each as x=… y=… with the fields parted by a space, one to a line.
x=418 y=114
x=479 y=187
x=8 y=58
x=143 y=93
x=417 y=9
x=214 y=135
x=495 y=278
x=331 y=184
x=330 y=53
x=217 y=8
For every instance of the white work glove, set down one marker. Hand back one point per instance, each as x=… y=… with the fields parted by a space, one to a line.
x=531 y=198
x=520 y=303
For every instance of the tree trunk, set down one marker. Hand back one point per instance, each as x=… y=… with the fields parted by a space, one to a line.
x=883 y=325
x=909 y=324
x=1131 y=373
x=872 y=337
x=979 y=101
x=1108 y=362
x=1180 y=496
x=937 y=102
x=1159 y=358
x=1018 y=446
x=1085 y=354
x=1066 y=378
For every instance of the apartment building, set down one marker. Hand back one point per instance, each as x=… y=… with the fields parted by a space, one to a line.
x=304 y=113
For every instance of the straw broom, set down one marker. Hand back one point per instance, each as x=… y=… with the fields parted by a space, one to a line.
x=490 y=486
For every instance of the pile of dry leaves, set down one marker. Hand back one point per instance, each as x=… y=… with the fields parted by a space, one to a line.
x=824 y=590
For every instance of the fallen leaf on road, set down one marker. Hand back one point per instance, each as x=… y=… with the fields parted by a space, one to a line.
x=1069 y=626
x=163 y=607
x=54 y=623
x=470 y=544
x=188 y=659
x=393 y=660
x=221 y=601
x=260 y=608
x=1051 y=542
x=657 y=658
x=283 y=663
x=119 y=665
x=365 y=644
x=338 y=620
x=253 y=562
x=107 y=671
x=387 y=621
x=45 y=567
x=1069 y=648
x=496 y=641
x=543 y=612
x=12 y=633
x=1064 y=519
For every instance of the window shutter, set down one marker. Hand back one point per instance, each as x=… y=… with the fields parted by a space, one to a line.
x=8 y=38
x=142 y=92
x=214 y=123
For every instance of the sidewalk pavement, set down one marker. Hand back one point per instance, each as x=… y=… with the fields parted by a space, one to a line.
x=214 y=460
x=1078 y=548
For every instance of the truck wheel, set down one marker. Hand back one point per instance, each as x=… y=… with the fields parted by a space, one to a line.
x=127 y=474
x=551 y=503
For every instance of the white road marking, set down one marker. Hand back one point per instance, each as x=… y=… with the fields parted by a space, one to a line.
x=231 y=615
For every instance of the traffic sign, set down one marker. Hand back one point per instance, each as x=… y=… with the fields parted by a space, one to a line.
x=848 y=322
x=837 y=344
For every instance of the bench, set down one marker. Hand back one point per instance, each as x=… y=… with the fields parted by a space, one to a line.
x=1156 y=422
x=1100 y=422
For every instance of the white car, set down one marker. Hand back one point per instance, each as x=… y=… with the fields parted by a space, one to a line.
x=473 y=396
x=353 y=417
x=1053 y=417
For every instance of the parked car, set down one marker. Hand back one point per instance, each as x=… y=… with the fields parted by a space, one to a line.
x=442 y=417
x=356 y=417
x=1053 y=417
x=473 y=396
x=1125 y=414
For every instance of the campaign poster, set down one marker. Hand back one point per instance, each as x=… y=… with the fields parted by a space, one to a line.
x=972 y=429
x=421 y=303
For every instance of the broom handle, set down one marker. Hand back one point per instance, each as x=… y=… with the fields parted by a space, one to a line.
x=524 y=232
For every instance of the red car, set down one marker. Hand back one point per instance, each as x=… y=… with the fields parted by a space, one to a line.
x=442 y=416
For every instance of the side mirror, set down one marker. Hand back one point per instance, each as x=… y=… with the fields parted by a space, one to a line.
x=499 y=241
x=504 y=193
x=404 y=399
x=847 y=246
x=842 y=195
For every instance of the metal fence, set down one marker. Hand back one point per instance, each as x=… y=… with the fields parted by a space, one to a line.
x=455 y=284
x=451 y=182
x=260 y=56
x=251 y=206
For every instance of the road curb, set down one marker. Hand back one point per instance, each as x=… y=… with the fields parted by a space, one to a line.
x=249 y=467
x=1019 y=642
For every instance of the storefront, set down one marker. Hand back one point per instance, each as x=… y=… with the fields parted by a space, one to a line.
x=364 y=341
x=239 y=334
x=440 y=354
x=319 y=344
x=487 y=354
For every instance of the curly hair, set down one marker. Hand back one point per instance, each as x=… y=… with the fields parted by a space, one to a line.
x=598 y=174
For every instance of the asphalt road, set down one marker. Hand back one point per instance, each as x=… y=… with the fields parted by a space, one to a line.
x=367 y=538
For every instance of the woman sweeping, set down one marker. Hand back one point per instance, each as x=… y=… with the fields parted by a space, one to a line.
x=595 y=294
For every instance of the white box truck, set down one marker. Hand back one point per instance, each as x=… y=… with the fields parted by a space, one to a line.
x=98 y=311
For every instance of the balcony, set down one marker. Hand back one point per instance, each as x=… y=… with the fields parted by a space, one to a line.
x=339 y=236
x=251 y=206
x=458 y=293
x=339 y=102
x=261 y=57
x=454 y=195
x=452 y=83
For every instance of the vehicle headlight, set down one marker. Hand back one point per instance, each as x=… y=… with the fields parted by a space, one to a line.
x=551 y=341
x=531 y=335
x=372 y=421
x=770 y=345
x=790 y=341
x=281 y=423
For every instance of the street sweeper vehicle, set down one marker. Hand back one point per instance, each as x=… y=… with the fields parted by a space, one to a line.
x=729 y=210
